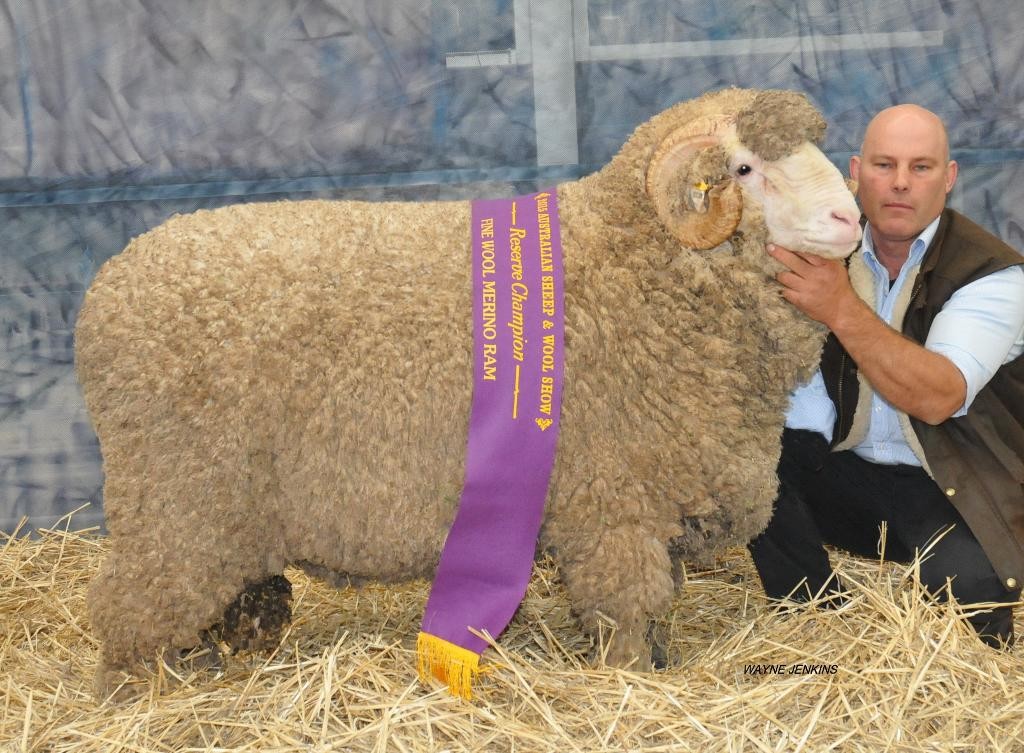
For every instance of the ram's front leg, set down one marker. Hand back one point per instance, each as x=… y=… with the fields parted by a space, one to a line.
x=621 y=572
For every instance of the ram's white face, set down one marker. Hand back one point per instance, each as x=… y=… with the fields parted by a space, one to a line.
x=806 y=204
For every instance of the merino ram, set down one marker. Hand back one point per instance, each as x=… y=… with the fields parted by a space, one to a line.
x=290 y=382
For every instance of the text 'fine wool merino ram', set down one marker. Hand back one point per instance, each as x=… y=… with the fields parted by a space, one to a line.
x=290 y=383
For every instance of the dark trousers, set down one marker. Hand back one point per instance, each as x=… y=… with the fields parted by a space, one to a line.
x=841 y=499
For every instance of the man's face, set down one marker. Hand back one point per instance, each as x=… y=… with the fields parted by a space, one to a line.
x=903 y=174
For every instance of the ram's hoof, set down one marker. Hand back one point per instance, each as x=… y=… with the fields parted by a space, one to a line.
x=117 y=686
x=257 y=619
x=657 y=637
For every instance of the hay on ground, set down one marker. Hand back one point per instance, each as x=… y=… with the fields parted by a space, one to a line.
x=885 y=672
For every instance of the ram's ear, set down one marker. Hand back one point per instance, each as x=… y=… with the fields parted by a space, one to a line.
x=701 y=210
x=777 y=122
x=852 y=185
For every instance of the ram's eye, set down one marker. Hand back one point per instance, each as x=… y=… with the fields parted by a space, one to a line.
x=743 y=169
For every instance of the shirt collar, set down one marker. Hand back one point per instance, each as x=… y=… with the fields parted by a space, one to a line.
x=917 y=248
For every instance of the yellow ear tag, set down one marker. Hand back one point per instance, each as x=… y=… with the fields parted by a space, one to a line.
x=699 y=197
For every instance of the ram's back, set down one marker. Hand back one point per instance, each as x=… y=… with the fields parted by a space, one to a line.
x=325 y=346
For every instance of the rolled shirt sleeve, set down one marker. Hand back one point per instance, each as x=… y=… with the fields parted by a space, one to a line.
x=981 y=327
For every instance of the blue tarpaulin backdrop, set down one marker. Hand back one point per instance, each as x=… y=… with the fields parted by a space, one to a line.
x=116 y=114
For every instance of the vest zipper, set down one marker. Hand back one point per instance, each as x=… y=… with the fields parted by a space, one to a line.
x=841 y=434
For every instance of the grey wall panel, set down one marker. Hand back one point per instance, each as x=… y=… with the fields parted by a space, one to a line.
x=115 y=114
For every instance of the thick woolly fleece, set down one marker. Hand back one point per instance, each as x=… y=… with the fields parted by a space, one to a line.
x=290 y=382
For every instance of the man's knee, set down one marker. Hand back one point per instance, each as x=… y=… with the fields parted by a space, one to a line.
x=958 y=566
x=994 y=626
x=956 y=557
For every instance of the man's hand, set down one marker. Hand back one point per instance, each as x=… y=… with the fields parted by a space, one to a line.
x=909 y=376
x=818 y=287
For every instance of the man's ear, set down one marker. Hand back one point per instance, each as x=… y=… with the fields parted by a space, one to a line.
x=855 y=167
x=952 y=170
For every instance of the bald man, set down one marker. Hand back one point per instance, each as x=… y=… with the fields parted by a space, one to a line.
x=916 y=416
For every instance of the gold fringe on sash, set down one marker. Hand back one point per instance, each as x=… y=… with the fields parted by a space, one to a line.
x=453 y=665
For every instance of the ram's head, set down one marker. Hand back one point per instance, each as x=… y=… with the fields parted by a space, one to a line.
x=758 y=164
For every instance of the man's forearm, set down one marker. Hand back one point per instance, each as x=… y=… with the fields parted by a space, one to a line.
x=912 y=378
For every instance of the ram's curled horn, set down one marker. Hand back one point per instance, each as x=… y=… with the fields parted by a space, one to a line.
x=667 y=176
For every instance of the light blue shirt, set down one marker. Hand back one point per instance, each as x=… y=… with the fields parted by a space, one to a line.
x=980 y=328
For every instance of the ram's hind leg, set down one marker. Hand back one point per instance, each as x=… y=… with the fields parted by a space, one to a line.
x=185 y=540
x=137 y=614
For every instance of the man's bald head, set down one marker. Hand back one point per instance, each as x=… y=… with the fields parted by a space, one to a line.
x=913 y=117
x=904 y=175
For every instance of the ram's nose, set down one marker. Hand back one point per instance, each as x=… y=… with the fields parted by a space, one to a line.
x=845 y=225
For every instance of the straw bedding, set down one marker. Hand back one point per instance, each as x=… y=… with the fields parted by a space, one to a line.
x=884 y=673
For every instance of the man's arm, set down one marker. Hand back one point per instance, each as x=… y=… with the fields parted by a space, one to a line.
x=910 y=377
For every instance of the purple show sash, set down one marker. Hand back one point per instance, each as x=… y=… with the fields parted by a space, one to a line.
x=518 y=352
